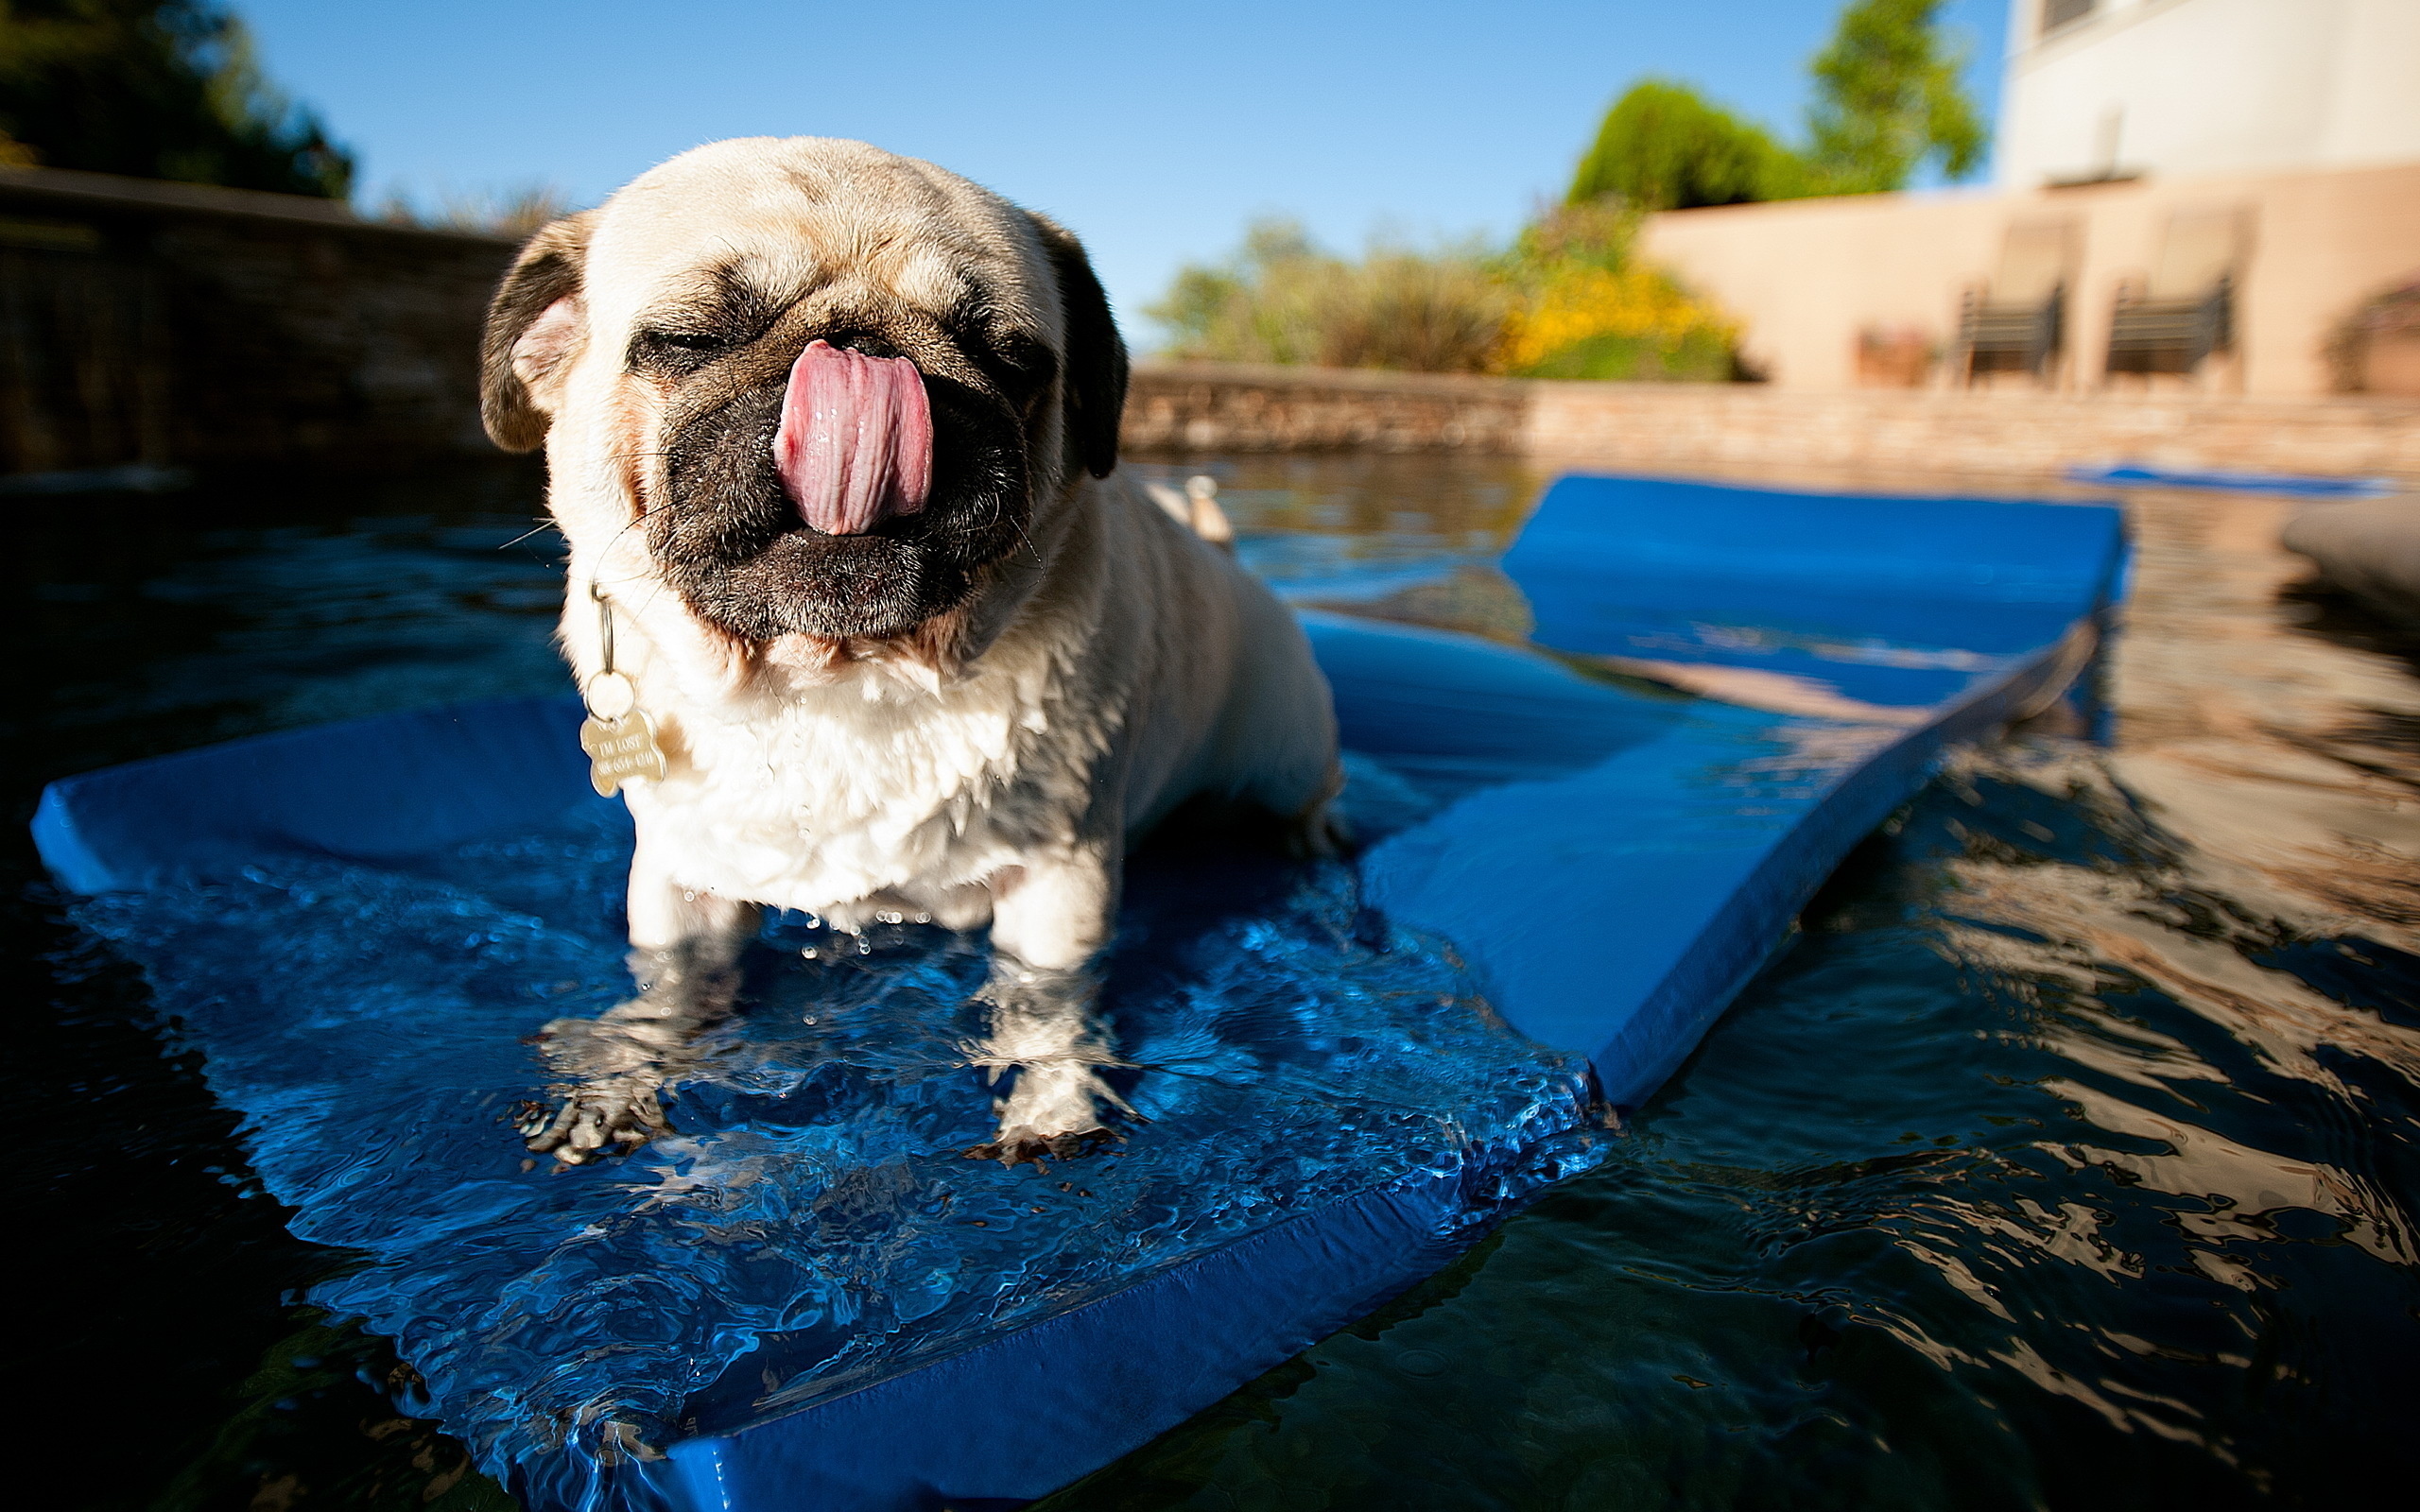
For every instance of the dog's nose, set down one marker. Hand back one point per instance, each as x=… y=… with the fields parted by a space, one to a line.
x=856 y=441
x=865 y=341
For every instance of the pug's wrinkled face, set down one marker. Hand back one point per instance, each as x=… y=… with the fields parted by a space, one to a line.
x=841 y=380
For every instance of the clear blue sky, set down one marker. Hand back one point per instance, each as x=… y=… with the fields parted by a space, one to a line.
x=1154 y=130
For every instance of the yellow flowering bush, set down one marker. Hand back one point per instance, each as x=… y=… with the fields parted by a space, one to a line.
x=1590 y=308
x=1583 y=319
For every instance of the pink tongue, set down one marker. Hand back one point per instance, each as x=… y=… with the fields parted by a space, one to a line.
x=855 y=443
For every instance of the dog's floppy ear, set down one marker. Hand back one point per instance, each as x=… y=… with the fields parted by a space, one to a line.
x=1095 y=380
x=535 y=324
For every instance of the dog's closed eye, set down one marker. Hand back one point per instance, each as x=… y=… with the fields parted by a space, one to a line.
x=676 y=351
x=697 y=341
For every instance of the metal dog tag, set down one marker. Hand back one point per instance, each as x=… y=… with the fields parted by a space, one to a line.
x=620 y=750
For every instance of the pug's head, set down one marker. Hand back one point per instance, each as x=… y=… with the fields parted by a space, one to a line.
x=829 y=387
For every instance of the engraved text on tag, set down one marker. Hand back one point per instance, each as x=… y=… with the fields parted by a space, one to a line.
x=620 y=750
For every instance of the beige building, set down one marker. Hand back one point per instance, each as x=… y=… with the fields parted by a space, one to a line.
x=2183 y=88
x=2212 y=194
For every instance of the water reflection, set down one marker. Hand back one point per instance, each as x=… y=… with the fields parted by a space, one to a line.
x=1409 y=539
x=2066 y=1160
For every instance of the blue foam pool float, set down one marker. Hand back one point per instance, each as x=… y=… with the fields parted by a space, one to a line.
x=1581 y=848
x=2231 y=482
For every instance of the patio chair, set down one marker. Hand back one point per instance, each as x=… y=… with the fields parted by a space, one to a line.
x=2186 y=313
x=2017 y=323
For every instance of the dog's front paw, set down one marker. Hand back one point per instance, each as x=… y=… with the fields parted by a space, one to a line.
x=620 y=1111
x=1056 y=1108
x=613 y=1068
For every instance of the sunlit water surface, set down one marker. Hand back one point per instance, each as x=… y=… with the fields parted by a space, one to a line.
x=2065 y=1160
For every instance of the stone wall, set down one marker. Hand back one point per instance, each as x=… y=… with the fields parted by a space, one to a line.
x=1234 y=407
x=1207 y=406
x=169 y=324
x=1651 y=425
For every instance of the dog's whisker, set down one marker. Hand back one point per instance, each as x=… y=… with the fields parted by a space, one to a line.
x=538 y=529
x=1018 y=526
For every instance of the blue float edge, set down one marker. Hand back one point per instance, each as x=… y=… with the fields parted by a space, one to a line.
x=1741 y=939
x=2137 y=476
x=365 y=788
x=62 y=847
x=1009 y=1420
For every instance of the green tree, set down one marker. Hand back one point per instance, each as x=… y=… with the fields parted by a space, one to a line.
x=156 y=89
x=1887 y=99
x=1665 y=146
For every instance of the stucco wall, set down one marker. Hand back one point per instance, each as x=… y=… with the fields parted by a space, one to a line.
x=1806 y=275
x=2197 y=87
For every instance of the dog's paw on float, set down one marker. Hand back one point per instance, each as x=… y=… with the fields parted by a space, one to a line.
x=612 y=1070
x=1055 y=1109
x=1025 y=1147
x=611 y=1115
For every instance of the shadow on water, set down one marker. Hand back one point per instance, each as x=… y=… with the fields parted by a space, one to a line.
x=2065 y=1160
x=159 y=1362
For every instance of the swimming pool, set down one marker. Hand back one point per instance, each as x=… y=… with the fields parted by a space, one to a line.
x=2063 y=1159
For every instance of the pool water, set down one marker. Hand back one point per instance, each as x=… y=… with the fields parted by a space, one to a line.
x=2063 y=1159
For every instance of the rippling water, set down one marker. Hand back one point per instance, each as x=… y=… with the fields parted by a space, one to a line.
x=2065 y=1160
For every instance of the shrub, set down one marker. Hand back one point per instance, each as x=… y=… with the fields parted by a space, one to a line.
x=2391 y=315
x=1591 y=308
x=1665 y=146
x=1590 y=322
x=516 y=212
x=1282 y=300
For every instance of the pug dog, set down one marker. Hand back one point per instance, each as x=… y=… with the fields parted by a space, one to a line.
x=870 y=625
